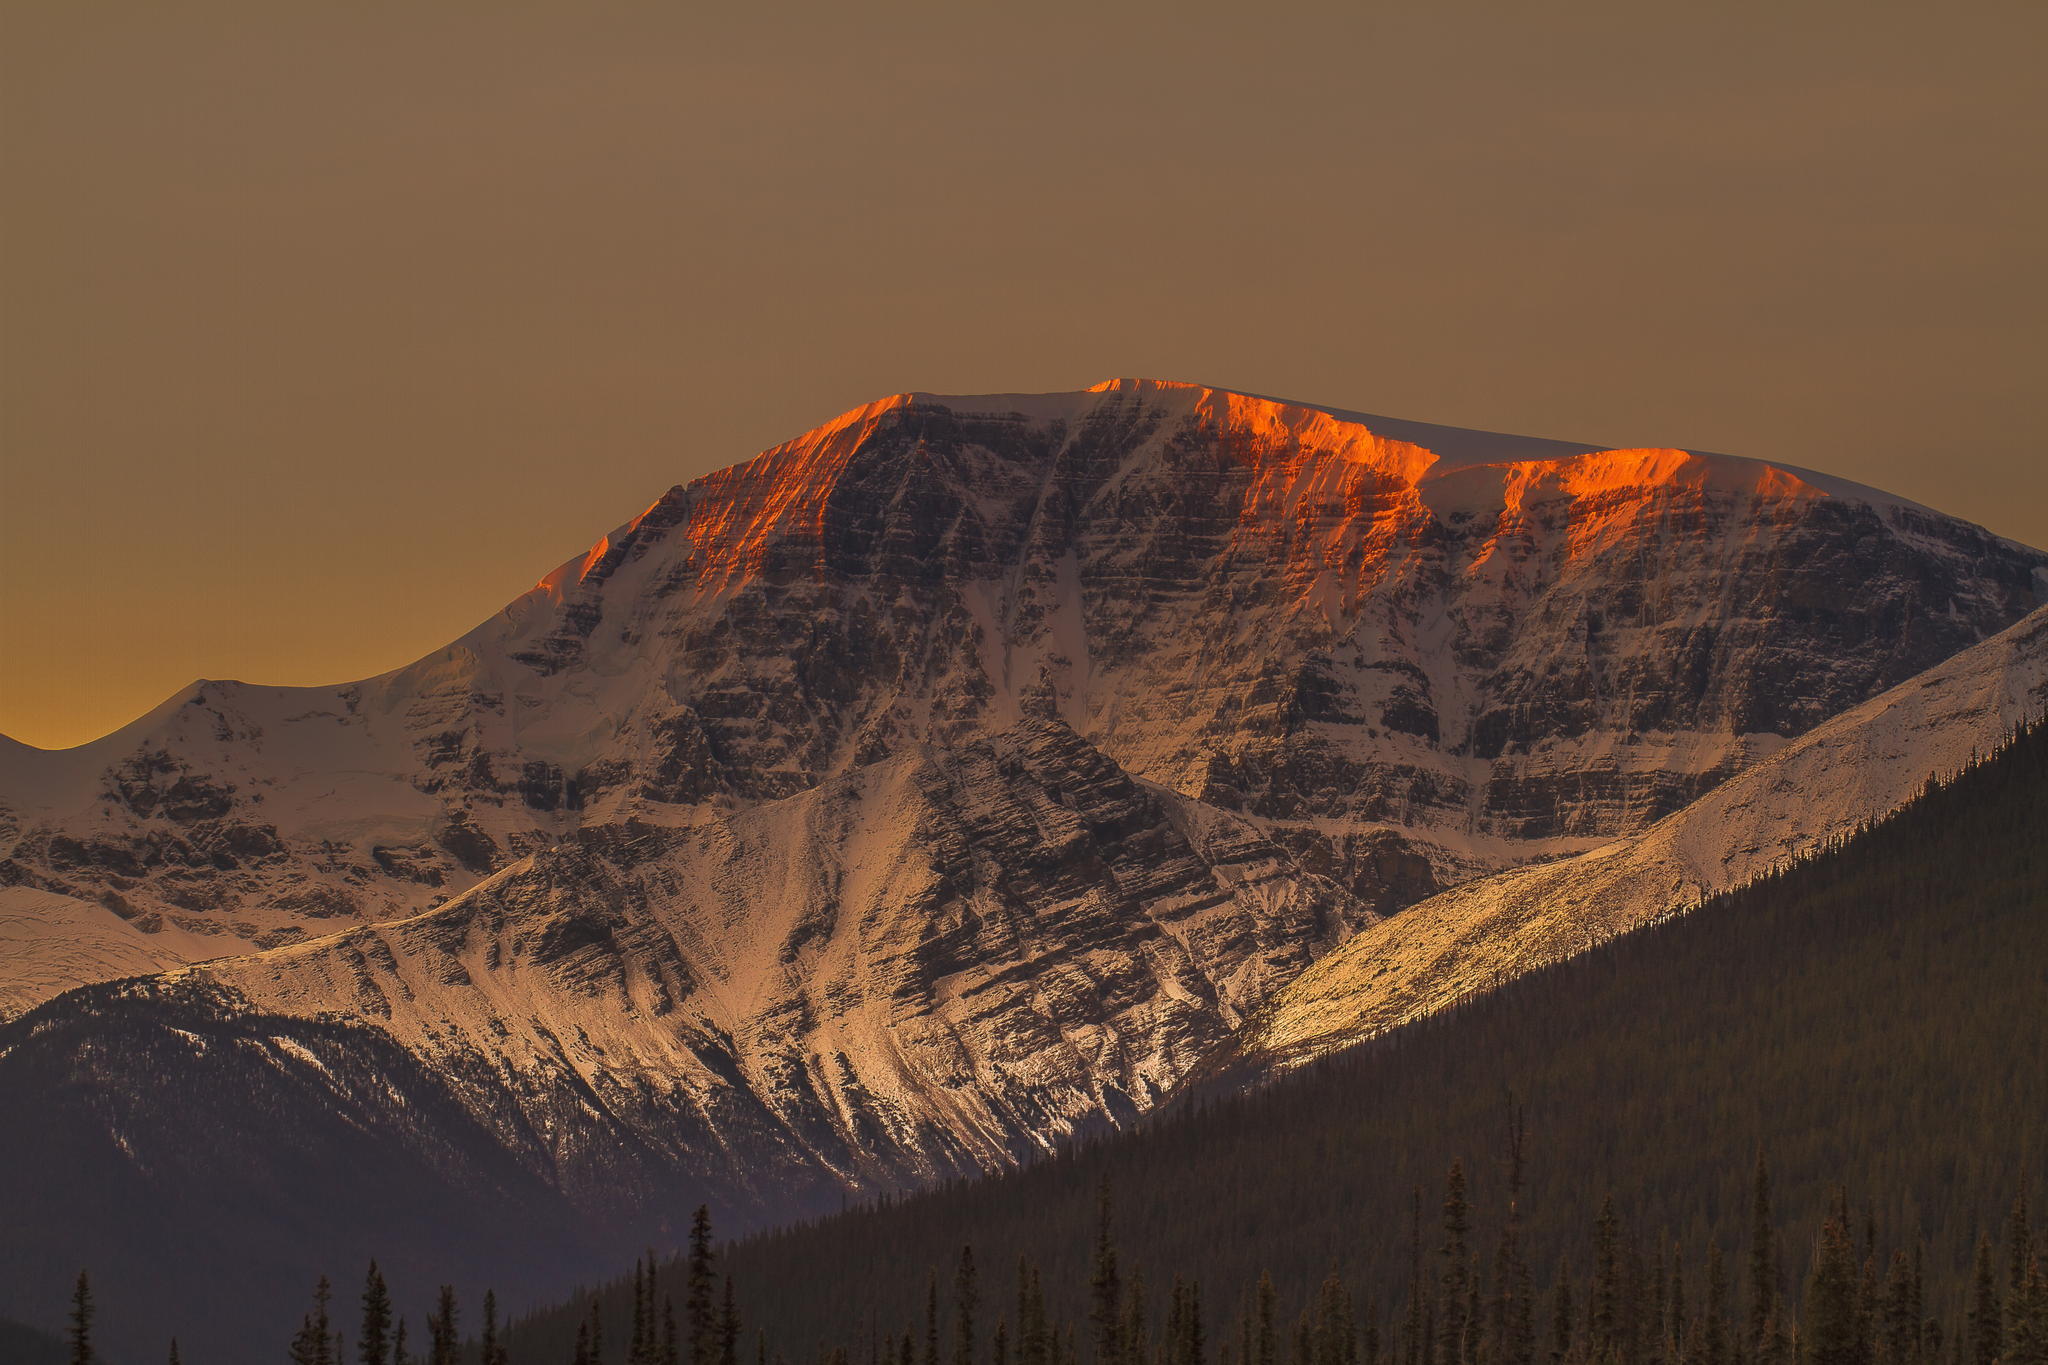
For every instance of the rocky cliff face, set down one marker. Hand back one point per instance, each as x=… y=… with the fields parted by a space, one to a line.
x=945 y=781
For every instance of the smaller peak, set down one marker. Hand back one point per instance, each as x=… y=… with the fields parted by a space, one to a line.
x=1141 y=385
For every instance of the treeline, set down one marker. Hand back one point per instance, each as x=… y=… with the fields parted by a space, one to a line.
x=1844 y=1300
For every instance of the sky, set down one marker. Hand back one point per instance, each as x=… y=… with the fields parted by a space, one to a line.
x=325 y=330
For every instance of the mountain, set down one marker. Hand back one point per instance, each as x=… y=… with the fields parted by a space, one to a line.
x=1868 y=1016
x=1412 y=653
x=958 y=777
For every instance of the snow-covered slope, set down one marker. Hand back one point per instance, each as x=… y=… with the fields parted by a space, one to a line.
x=1843 y=774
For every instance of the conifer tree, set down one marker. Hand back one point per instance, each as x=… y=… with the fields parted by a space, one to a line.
x=1763 y=1264
x=641 y=1331
x=931 y=1319
x=373 y=1342
x=966 y=1296
x=2019 y=1246
x=81 y=1321
x=1263 y=1342
x=1135 y=1340
x=1561 y=1317
x=491 y=1349
x=1714 y=1332
x=1605 y=1305
x=1457 y=1222
x=582 y=1356
x=671 y=1344
x=729 y=1327
x=1985 y=1334
x=596 y=1332
x=173 y=1357
x=1901 y=1322
x=443 y=1340
x=313 y=1344
x=1105 y=1298
x=1335 y=1341
x=1829 y=1333
x=697 y=1308
x=999 y=1348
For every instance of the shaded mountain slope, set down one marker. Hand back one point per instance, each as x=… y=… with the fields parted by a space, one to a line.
x=1870 y=1016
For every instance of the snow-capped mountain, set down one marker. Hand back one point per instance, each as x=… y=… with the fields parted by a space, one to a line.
x=1411 y=654
x=956 y=776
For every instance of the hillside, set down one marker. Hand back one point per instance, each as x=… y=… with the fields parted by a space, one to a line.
x=1870 y=1017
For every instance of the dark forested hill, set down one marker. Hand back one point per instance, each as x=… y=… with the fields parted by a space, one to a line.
x=1871 y=1018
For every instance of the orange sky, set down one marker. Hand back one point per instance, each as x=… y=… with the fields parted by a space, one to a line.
x=325 y=330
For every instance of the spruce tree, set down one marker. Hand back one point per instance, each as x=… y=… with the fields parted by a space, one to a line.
x=491 y=1349
x=81 y=1321
x=373 y=1342
x=172 y=1359
x=931 y=1319
x=1763 y=1263
x=1985 y=1326
x=444 y=1342
x=1714 y=1334
x=1828 y=1333
x=1606 y=1301
x=399 y=1355
x=1457 y=1222
x=966 y=1296
x=1561 y=1317
x=1135 y=1340
x=1105 y=1299
x=1263 y=1342
x=729 y=1327
x=697 y=1308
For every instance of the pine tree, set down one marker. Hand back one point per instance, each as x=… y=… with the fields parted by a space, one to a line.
x=697 y=1310
x=1763 y=1264
x=172 y=1359
x=729 y=1327
x=373 y=1343
x=1457 y=1222
x=81 y=1321
x=1104 y=1296
x=1335 y=1340
x=1511 y=1330
x=1263 y=1342
x=640 y=1341
x=1714 y=1334
x=399 y=1355
x=1135 y=1340
x=931 y=1319
x=1985 y=1335
x=1561 y=1317
x=1829 y=1334
x=492 y=1350
x=596 y=1332
x=671 y=1344
x=444 y=1341
x=966 y=1297
x=1901 y=1321
x=1606 y=1301
x=999 y=1348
